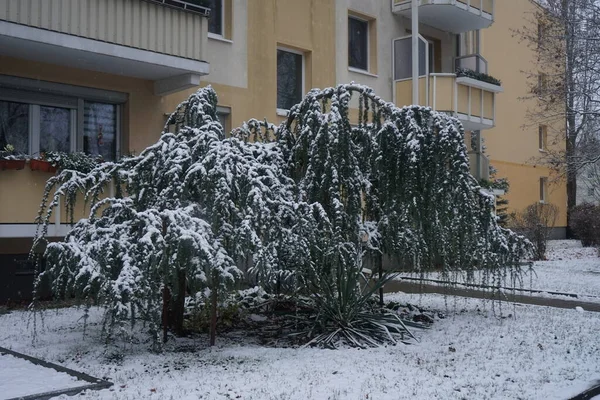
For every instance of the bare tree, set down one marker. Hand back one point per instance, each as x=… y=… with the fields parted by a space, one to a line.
x=565 y=81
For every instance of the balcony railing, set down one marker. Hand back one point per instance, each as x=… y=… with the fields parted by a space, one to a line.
x=454 y=16
x=194 y=6
x=472 y=102
x=474 y=62
x=146 y=25
x=480 y=165
x=164 y=41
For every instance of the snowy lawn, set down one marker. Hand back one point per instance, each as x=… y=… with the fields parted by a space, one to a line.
x=531 y=353
x=569 y=268
x=23 y=378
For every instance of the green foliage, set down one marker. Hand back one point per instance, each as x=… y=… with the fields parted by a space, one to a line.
x=8 y=153
x=585 y=222
x=480 y=76
x=76 y=161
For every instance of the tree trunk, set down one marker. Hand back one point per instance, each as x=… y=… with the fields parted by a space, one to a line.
x=178 y=304
x=165 y=312
x=379 y=260
x=213 y=315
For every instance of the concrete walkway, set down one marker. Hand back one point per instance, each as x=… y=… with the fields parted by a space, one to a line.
x=478 y=292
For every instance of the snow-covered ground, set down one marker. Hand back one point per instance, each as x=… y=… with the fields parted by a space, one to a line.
x=517 y=352
x=480 y=350
x=569 y=268
x=21 y=378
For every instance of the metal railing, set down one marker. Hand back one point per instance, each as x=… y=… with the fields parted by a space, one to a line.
x=194 y=6
x=480 y=165
x=474 y=62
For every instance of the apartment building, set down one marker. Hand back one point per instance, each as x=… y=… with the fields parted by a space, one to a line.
x=100 y=75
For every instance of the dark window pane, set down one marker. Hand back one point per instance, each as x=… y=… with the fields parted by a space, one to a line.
x=14 y=126
x=215 y=21
x=289 y=79
x=100 y=130
x=55 y=129
x=358 y=43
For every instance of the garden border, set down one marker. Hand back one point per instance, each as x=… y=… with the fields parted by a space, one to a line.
x=93 y=383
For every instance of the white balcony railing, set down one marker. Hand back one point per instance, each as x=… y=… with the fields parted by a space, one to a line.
x=473 y=102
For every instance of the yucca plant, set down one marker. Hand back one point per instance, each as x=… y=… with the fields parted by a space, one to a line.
x=343 y=308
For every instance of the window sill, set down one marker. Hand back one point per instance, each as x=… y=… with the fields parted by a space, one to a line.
x=282 y=113
x=362 y=72
x=219 y=38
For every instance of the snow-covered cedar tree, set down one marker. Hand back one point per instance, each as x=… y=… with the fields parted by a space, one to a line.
x=294 y=209
x=397 y=179
x=183 y=213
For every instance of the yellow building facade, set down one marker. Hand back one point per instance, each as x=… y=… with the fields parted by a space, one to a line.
x=68 y=64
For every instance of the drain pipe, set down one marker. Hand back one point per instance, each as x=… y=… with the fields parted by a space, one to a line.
x=415 y=51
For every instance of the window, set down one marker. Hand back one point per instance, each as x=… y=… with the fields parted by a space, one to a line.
x=358 y=43
x=35 y=123
x=216 y=19
x=223 y=113
x=543 y=189
x=542 y=84
x=590 y=192
x=290 y=78
x=542 y=137
x=100 y=129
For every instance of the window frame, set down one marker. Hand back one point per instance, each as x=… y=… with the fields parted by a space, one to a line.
x=221 y=35
x=543 y=189
x=281 y=111
x=23 y=90
x=367 y=41
x=543 y=138
x=225 y=112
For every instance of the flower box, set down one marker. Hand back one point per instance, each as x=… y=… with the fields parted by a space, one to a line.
x=12 y=164
x=41 y=165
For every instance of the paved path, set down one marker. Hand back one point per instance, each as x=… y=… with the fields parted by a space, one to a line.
x=421 y=286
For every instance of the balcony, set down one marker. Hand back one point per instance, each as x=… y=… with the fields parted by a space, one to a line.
x=158 y=40
x=472 y=101
x=480 y=165
x=454 y=16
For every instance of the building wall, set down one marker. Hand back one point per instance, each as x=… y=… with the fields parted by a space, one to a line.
x=513 y=144
x=244 y=70
x=244 y=75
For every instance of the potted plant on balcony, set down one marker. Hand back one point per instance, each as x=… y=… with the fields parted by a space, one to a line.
x=77 y=161
x=10 y=159
x=480 y=76
x=42 y=164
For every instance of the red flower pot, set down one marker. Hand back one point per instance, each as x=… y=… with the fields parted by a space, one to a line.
x=12 y=164
x=41 y=165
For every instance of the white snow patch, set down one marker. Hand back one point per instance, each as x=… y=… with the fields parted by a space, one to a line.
x=19 y=378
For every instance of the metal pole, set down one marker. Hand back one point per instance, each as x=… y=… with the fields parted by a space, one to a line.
x=415 y=51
